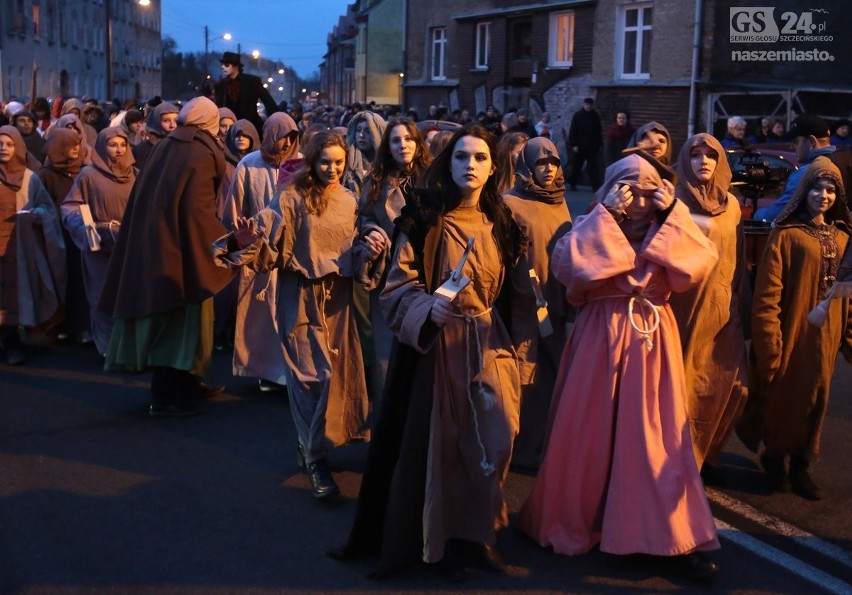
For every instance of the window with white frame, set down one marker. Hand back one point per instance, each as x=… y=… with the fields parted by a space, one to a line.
x=561 y=46
x=634 y=41
x=483 y=45
x=439 y=51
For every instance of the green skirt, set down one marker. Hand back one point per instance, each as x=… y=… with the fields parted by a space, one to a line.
x=181 y=338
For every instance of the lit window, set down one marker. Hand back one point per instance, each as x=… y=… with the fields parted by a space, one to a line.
x=439 y=50
x=483 y=44
x=561 y=47
x=634 y=38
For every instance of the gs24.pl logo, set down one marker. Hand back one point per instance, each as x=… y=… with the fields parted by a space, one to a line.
x=757 y=24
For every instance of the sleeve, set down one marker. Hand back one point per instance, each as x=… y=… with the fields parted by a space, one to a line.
x=263 y=255
x=266 y=99
x=405 y=301
x=71 y=217
x=766 y=310
x=682 y=249
x=235 y=197
x=594 y=251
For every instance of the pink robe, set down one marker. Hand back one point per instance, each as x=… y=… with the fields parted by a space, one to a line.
x=619 y=468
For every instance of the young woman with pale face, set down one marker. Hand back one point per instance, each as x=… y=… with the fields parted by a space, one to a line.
x=403 y=146
x=116 y=147
x=703 y=160
x=820 y=199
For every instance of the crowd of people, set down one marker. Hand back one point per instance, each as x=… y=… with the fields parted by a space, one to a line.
x=434 y=297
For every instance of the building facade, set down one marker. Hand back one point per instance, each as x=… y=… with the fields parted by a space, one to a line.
x=337 y=71
x=380 y=52
x=60 y=47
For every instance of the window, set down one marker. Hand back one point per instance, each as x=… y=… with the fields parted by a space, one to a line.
x=521 y=40
x=634 y=38
x=561 y=46
x=439 y=50
x=483 y=44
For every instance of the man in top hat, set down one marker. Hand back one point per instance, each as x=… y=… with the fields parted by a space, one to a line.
x=240 y=92
x=810 y=137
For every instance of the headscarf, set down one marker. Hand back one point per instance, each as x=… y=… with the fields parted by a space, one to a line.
x=152 y=122
x=56 y=151
x=710 y=198
x=245 y=128
x=200 y=112
x=71 y=104
x=276 y=127
x=821 y=167
x=632 y=170
x=666 y=159
x=12 y=173
x=224 y=112
x=122 y=171
x=354 y=157
x=73 y=122
x=526 y=184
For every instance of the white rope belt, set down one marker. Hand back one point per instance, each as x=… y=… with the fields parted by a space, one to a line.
x=646 y=332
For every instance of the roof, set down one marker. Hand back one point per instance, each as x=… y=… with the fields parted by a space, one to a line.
x=522 y=9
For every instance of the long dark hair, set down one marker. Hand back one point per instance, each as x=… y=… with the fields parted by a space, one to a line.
x=305 y=179
x=439 y=178
x=384 y=166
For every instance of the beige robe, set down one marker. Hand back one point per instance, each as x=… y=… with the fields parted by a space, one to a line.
x=476 y=390
x=710 y=318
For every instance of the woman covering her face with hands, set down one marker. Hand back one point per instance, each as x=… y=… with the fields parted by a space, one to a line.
x=308 y=234
x=620 y=431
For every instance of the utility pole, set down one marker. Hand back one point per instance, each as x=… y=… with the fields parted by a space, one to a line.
x=108 y=12
x=206 y=44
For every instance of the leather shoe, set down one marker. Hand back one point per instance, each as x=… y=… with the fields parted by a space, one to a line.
x=697 y=567
x=322 y=483
x=201 y=390
x=801 y=482
x=174 y=409
x=491 y=559
x=775 y=472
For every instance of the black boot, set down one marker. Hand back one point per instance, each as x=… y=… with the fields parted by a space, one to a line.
x=194 y=387
x=322 y=482
x=167 y=394
x=775 y=472
x=697 y=567
x=11 y=349
x=800 y=480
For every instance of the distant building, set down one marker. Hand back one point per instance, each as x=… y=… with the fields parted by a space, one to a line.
x=337 y=71
x=379 y=52
x=58 y=47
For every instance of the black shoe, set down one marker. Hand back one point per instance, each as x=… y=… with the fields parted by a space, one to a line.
x=775 y=472
x=322 y=483
x=450 y=568
x=14 y=356
x=713 y=475
x=196 y=388
x=491 y=559
x=175 y=409
x=300 y=456
x=697 y=567
x=267 y=386
x=801 y=482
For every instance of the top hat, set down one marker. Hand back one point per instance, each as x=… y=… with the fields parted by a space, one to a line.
x=230 y=58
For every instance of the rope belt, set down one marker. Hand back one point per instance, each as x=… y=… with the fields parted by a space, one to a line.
x=488 y=400
x=646 y=307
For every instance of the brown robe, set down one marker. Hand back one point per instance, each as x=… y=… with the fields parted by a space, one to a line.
x=162 y=258
x=325 y=374
x=793 y=359
x=543 y=215
x=711 y=316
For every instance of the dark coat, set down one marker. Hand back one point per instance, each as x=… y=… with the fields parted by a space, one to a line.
x=251 y=90
x=586 y=131
x=163 y=259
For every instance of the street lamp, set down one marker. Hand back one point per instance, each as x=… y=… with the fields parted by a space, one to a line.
x=207 y=40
